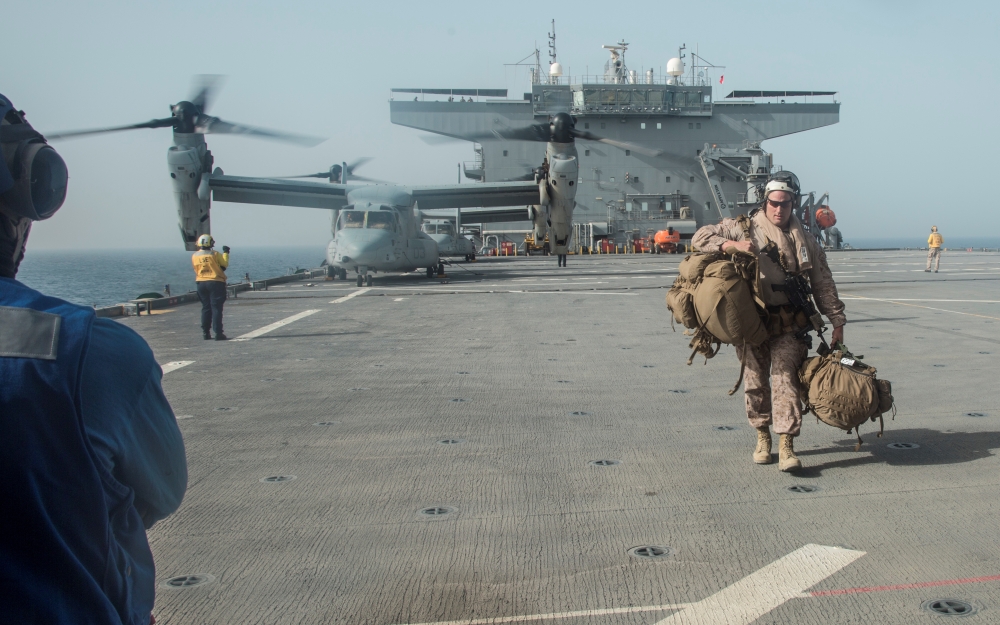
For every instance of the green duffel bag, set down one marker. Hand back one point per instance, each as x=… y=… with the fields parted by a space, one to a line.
x=844 y=392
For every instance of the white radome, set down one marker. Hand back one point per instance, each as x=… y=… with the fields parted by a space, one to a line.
x=675 y=67
x=555 y=70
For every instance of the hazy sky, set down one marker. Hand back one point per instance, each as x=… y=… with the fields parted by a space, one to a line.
x=918 y=82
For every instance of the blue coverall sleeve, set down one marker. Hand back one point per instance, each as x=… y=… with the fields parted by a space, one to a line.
x=129 y=422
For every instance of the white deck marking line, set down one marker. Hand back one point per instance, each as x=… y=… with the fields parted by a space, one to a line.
x=967 y=301
x=526 y=618
x=765 y=589
x=347 y=297
x=275 y=325
x=739 y=604
x=901 y=303
x=175 y=365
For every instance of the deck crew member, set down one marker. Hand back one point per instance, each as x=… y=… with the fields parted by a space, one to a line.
x=210 y=275
x=772 y=382
x=934 y=242
x=89 y=448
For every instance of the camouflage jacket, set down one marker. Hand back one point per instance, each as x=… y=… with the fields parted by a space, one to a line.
x=711 y=238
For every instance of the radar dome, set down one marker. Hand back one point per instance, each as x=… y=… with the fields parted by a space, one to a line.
x=555 y=70
x=675 y=67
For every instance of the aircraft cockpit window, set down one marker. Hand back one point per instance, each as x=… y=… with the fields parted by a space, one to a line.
x=352 y=219
x=429 y=229
x=445 y=229
x=380 y=219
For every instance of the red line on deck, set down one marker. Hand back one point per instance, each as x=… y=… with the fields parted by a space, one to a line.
x=947 y=582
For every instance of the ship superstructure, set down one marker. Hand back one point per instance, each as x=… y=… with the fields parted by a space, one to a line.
x=710 y=150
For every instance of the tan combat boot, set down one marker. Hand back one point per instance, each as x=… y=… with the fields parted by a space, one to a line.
x=787 y=460
x=762 y=455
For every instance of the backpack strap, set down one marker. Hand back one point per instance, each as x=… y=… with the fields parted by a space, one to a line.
x=743 y=367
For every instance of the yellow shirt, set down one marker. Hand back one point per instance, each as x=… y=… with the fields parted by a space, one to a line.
x=209 y=265
x=935 y=240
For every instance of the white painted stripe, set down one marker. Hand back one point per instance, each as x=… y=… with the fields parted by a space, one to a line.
x=740 y=604
x=902 y=303
x=526 y=618
x=903 y=299
x=175 y=365
x=275 y=325
x=347 y=297
x=765 y=589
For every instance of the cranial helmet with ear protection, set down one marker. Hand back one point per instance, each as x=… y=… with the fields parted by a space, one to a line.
x=33 y=181
x=33 y=176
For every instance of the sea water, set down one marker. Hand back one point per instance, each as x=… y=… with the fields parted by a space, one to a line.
x=106 y=277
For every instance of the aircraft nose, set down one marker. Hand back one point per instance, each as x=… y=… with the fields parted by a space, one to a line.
x=365 y=249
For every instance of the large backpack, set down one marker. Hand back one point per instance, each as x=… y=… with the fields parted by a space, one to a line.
x=844 y=392
x=713 y=299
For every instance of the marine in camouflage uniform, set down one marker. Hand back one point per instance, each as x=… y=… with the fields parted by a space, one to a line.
x=771 y=376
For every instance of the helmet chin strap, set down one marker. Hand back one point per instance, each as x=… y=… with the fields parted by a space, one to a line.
x=13 y=239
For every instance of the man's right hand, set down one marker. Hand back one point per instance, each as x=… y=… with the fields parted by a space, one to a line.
x=738 y=246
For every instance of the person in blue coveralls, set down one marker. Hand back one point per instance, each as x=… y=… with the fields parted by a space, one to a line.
x=90 y=450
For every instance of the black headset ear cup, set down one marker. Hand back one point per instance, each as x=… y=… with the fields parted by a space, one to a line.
x=40 y=180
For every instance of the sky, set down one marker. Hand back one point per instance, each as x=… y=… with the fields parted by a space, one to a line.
x=918 y=83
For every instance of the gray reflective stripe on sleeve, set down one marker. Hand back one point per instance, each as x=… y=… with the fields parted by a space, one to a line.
x=26 y=333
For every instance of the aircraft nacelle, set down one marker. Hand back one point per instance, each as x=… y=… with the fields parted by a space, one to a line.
x=563 y=173
x=189 y=162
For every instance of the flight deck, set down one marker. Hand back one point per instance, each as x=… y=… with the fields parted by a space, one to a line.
x=521 y=443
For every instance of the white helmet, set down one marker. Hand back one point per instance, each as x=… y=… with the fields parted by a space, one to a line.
x=782 y=181
x=206 y=241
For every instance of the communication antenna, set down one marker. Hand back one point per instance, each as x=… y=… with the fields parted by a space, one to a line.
x=555 y=68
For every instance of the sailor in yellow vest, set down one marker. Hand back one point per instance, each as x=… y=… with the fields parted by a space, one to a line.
x=210 y=275
x=934 y=249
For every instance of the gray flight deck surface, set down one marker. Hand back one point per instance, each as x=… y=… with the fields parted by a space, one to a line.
x=536 y=372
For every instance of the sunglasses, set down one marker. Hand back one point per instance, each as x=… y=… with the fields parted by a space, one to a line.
x=776 y=204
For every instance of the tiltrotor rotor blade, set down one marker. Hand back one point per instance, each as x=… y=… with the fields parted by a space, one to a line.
x=153 y=123
x=213 y=125
x=206 y=85
x=322 y=174
x=622 y=145
x=358 y=162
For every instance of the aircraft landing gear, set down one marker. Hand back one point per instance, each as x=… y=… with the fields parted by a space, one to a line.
x=441 y=269
x=368 y=280
x=343 y=274
x=430 y=272
x=361 y=279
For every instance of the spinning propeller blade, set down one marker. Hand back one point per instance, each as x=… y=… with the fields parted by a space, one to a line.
x=189 y=117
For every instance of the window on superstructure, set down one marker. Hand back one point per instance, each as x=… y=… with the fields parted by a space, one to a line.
x=608 y=97
x=659 y=126
x=690 y=126
x=698 y=125
x=505 y=152
x=624 y=97
x=668 y=178
x=639 y=98
x=642 y=125
x=592 y=96
x=654 y=98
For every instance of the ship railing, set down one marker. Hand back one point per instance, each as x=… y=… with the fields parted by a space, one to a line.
x=640 y=79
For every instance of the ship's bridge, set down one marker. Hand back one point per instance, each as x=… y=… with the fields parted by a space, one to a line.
x=622 y=99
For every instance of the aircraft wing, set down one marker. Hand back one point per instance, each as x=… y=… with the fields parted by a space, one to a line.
x=485 y=194
x=481 y=215
x=278 y=192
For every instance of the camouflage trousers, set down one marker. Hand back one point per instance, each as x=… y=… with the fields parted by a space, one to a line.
x=934 y=254
x=771 y=382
